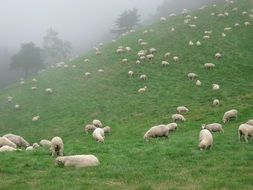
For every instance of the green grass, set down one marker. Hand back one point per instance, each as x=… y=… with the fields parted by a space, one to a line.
x=127 y=161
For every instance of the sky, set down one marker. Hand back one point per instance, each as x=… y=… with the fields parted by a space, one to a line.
x=78 y=21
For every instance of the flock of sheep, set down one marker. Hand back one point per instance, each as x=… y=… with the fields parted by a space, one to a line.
x=11 y=142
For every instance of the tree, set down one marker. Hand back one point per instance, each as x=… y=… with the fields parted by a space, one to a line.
x=28 y=59
x=126 y=21
x=55 y=49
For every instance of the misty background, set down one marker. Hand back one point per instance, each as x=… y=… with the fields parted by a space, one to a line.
x=83 y=23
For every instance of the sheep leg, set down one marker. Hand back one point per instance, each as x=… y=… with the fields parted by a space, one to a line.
x=246 y=138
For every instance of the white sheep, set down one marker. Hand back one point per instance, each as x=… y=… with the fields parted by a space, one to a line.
x=128 y=49
x=175 y=58
x=6 y=141
x=87 y=74
x=191 y=43
x=208 y=32
x=86 y=60
x=245 y=130
x=163 y=19
x=45 y=143
x=213 y=127
x=98 y=135
x=124 y=60
x=142 y=90
x=152 y=50
x=206 y=37
x=205 y=139
x=167 y=54
x=172 y=29
x=178 y=117
x=198 y=43
x=9 y=99
x=7 y=148
x=97 y=123
x=34 y=88
x=236 y=25
x=89 y=128
x=157 y=131
x=17 y=106
x=150 y=56
x=130 y=73
x=229 y=114
x=227 y=29
x=192 y=76
x=138 y=62
x=34 y=80
x=57 y=146
x=247 y=23
x=216 y=102
x=172 y=127
x=209 y=66
x=215 y=87
x=36 y=118
x=223 y=34
x=198 y=83
x=29 y=148
x=250 y=122
x=101 y=70
x=107 y=129
x=77 y=161
x=18 y=140
x=49 y=90
x=120 y=50
x=165 y=63
x=36 y=145
x=143 y=77
x=182 y=109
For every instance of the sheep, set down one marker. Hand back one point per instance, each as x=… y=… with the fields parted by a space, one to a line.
x=191 y=43
x=250 y=122
x=107 y=129
x=227 y=29
x=119 y=50
x=198 y=83
x=142 y=58
x=182 y=109
x=215 y=87
x=73 y=66
x=172 y=29
x=18 y=140
x=245 y=130
x=89 y=128
x=144 y=43
x=216 y=102
x=213 y=127
x=97 y=123
x=157 y=131
x=45 y=143
x=165 y=63
x=192 y=76
x=244 y=13
x=236 y=24
x=218 y=55
x=124 y=60
x=142 y=90
x=229 y=114
x=87 y=74
x=100 y=70
x=178 y=117
x=57 y=146
x=36 y=118
x=9 y=99
x=29 y=148
x=163 y=19
x=212 y=14
x=86 y=60
x=22 y=82
x=172 y=127
x=98 y=135
x=206 y=37
x=130 y=73
x=49 y=90
x=205 y=139
x=223 y=34
x=98 y=53
x=17 y=106
x=7 y=148
x=150 y=56
x=34 y=88
x=152 y=50
x=175 y=58
x=128 y=49
x=138 y=62
x=247 y=23
x=6 y=141
x=143 y=77
x=34 y=80
x=77 y=161
x=36 y=145
x=208 y=32
x=209 y=66
x=167 y=54
x=198 y=43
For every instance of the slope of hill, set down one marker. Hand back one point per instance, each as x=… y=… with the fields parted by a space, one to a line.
x=126 y=160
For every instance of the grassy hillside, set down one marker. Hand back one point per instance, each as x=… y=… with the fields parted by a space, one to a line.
x=127 y=161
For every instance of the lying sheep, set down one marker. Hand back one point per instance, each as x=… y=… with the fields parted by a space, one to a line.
x=5 y=141
x=45 y=143
x=178 y=117
x=209 y=66
x=172 y=127
x=182 y=109
x=18 y=140
x=57 y=146
x=250 y=122
x=192 y=76
x=107 y=129
x=213 y=127
x=141 y=90
x=205 y=139
x=97 y=123
x=77 y=161
x=89 y=128
x=229 y=114
x=216 y=102
x=245 y=130
x=99 y=135
x=157 y=131
x=7 y=148
x=215 y=87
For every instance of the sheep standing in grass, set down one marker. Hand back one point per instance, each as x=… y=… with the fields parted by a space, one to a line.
x=77 y=161
x=97 y=123
x=178 y=117
x=218 y=55
x=57 y=146
x=213 y=127
x=209 y=66
x=49 y=90
x=9 y=99
x=192 y=76
x=36 y=118
x=229 y=115
x=142 y=90
x=45 y=143
x=182 y=109
x=250 y=122
x=7 y=148
x=18 y=140
x=165 y=63
x=17 y=107
x=143 y=77
x=205 y=139
x=245 y=130
x=216 y=102
x=5 y=141
x=215 y=87
x=130 y=73
x=198 y=43
x=198 y=83
x=172 y=127
x=99 y=135
x=124 y=60
x=175 y=58
x=89 y=128
x=157 y=131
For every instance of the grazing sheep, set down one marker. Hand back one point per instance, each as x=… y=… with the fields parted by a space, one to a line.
x=227 y=29
x=236 y=24
x=167 y=54
x=22 y=82
x=18 y=140
x=247 y=23
x=215 y=87
x=182 y=109
x=172 y=127
x=209 y=66
x=124 y=60
x=229 y=114
x=143 y=77
x=213 y=127
x=128 y=49
x=152 y=50
x=130 y=73
x=34 y=80
x=89 y=128
x=100 y=70
x=178 y=117
x=250 y=122
x=45 y=143
x=97 y=123
x=34 y=88
x=17 y=107
x=192 y=76
x=107 y=129
x=77 y=161
x=142 y=90
x=216 y=102
x=98 y=135
x=7 y=148
x=198 y=43
x=198 y=83
x=138 y=62
x=87 y=74
x=191 y=43
x=49 y=90
x=205 y=139
x=6 y=141
x=150 y=56
x=29 y=148
x=206 y=37
x=157 y=131
x=245 y=130
x=36 y=145
x=119 y=50
x=86 y=60
x=36 y=118
x=57 y=146
x=163 y=19
x=9 y=99
x=165 y=63
x=223 y=34
x=175 y=58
